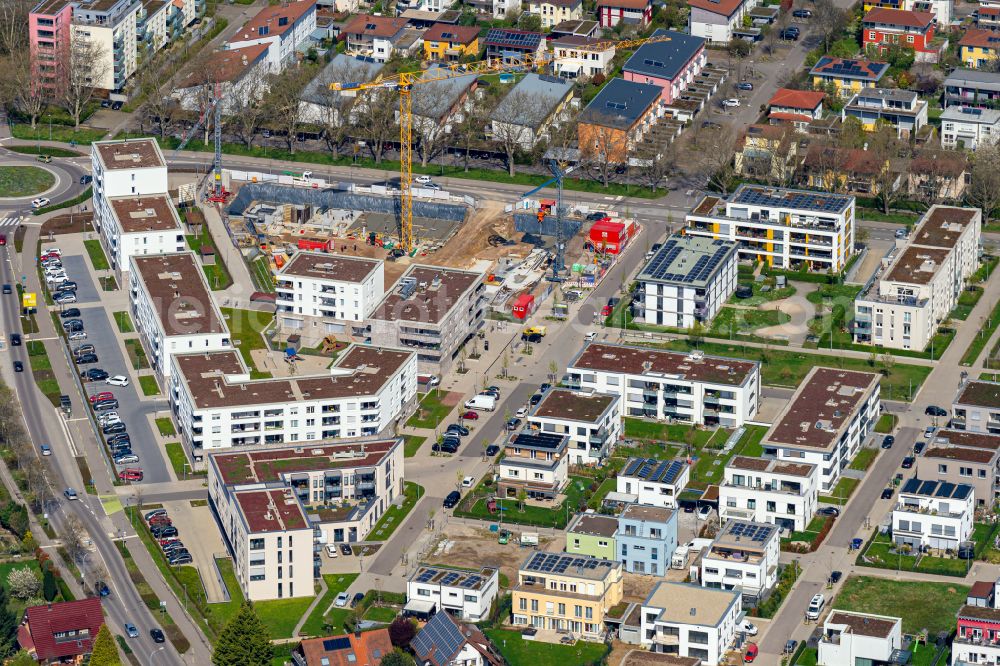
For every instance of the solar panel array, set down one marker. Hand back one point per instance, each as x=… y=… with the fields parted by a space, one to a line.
x=444 y=577
x=334 y=644
x=441 y=636
x=559 y=563
x=752 y=531
x=509 y=38
x=541 y=440
x=659 y=267
x=471 y=582
x=850 y=68
x=941 y=489
x=426 y=576
x=662 y=471
x=814 y=201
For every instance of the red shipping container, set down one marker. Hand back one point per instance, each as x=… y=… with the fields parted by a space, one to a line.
x=608 y=236
x=307 y=244
x=523 y=306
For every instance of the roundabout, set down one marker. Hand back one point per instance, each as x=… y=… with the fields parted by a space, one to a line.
x=24 y=181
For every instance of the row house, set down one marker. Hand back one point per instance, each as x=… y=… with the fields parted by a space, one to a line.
x=617 y=119
x=972 y=88
x=635 y=13
x=977 y=636
x=511 y=46
x=593 y=534
x=967 y=128
x=671 y=64
x=959 y=456
x=769 y=491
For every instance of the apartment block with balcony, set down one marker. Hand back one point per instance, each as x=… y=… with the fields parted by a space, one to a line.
x=959 y=456
x=173 y=309
x=594 y=535
x=665 y=385
x=769 y=491
x=282 y=27
x=686 y=281
x=784 y=227
x=933 y=514
x=828 y=418
x=647 y=539
x=906 y=301
x=217 y=405
x=973 y=88
x=592 y=421
x=977 y=639
x=537 y=464
x=274 y=505
x=141 y=225
x=562 y=592
x=580 y=57
x=468 y=595
x=883 y=28
x=691 y=621
x=743 y=557
x=653 y=482
x=903 y=109
x=977 y=408
x=320 y=294
x=859 y=638
x=431 y=311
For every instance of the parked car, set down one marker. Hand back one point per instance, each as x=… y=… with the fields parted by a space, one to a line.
x=468 y=482
x=69 y=312
x=84 y=359
x=513 y=424
x=856 y=543
x=77 y=335
x=105 y=405
x=790 y=34
x=590 y=336
x=731 y=103
x=45 y=449
x=103 y=395
x=445 y=447
x=94 y=375
x=341 y=600
x=918 y=448
x=829 y=511
x=357 y=599
x=790 y=646
x=7 y=289
x=179 y=559
x=130 y=474
x=908 y=462
x=102 y=588
x=451 y=500
x=748 y=628
x=535 y=399
x=835 y=577
x=331 y=550
x=155 y=512
x=163 y=532
x=744 y=85
x=126 y=459
x=934 y=410
x=63 y=297
x=888 y=441
x=121 y=439
x=704 y=512
x=492 y=450
x=117 y=380
x=471 y=415
x=113 y=429
x=751 y=654
x=18 y=366
x=521 y=412
x=72 y=323
x=86 y=179
x=802 y=13
x=345 y=549
x=460 y=429
x=67 y=285
x=887 y=493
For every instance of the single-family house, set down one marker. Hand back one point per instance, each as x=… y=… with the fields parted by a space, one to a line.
x=534 y=106
x=716 y=20
x=767 y=152
x=968 y=127
x=796 y=107
x=938 y=175
x=593 y=534
x=446 y=42
x=978 y=47
x=444 y=641
x=884 y=28
x=903 y=109
x=553 y=12
x=241 y=75
x=579 y=57
x=320 y=105
x=646 y=538
x=690 y=621
x=847 y=76
x=373 y=36
x=636 y=13
x=859 y=638
x=514 y=46
x=653 y=482
x=934 y=514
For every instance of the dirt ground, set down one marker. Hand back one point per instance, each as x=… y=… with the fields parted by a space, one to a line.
x=471 y=241
x=476 y=547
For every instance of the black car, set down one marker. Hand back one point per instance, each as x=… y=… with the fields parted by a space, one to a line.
x=155 y=634
x=7 y=289
x=708 y=124
x=513 y=424
x=117 y=106
x=596 y=215
x=182 y=558
x=18 y=366
x=15 y=339
x=535 y=399
x=835 y=577
x=357 y=599
x=345 y=549
x=452 y=499
x=461 y=430
x=70 y=324
x=70 y=312
x=86 y=179
x=918 y=448
x=84 y=359
x=493 y=389
x=688 y=507
x=68 y=285
x=121 y=439
x=907 y=462
x=163 y=531
x=934 y=410
x=492 y=450
x=445 y=447
x=887 y=493
x=802 y=13
x=888 y=441
x=789 y=34
x=113 y=429
x=544 y=387
x=744 y=85
x=829 y=511
x=94 y=375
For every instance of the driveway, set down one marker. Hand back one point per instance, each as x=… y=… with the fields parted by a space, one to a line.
x=76 y=269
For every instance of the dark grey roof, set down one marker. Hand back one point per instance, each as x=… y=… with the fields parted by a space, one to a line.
x=545 y=93
x=441 y=638
x=974 y=78
x=435 y=99
x=941 y=489
x=342 y=69
x=620 y=104
x=664 y=59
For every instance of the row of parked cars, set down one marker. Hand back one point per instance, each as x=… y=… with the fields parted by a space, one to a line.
x=163 y=530
x=116 y=437
x=62 y=288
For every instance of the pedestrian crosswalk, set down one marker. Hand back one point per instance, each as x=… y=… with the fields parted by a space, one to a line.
x=9 y=221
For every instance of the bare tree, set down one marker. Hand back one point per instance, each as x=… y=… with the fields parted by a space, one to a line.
x=430 y=121
x=20 y=84
x=471 y=129
x=376 y=118
x=74 y=539
x=890 y=157
x=14 y=25
x=514 y=123
x=333 y=107
x=282 y=103
x=159 y=108
x=984 y=179
x=85 y=69
x=712 y=151
x=830 y=20
x=245 y=110
x=603 y=146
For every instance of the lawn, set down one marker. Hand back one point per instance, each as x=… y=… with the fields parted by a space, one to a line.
x=886 y=423
x=412 y=444
x=760 y=297
x=335 y=584
x=842 y=491
x=62 y=133
x=985 y=332
x=166 y=426
x=431 y=411
x=866 y=456
x=44 y=150
x=260 y=271
x=281 y=615
x=215 y=274
x=394 y=515
x=24 y=181
x=607 y=486
x=710 y=465
x=576 y=492
x=733 y=321
x=149 y=385
x=136 y=354
x=381 y=614
x=519 y=652
x=96 y=253
x=922 y=605
x=246 y=328
x=124 y=322
x=640 y=429
x=879 y=554
x=179 y=461
x=810 y=533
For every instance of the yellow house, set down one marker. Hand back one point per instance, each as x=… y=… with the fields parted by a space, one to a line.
x=445 y=42
x=978 y=47
x=848 y=76
x=767 y=152
x=562 y=591
x=844 y=170
x=884 y=4
x=553 y=12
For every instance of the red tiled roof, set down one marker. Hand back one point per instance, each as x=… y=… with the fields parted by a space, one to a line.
x=456 y=34
x=44 y=622
x=899 y=17
x=797 y=99
x=374 y=26
x=988 y=11
x=625 y=4
x=224 y=66
x=723 y=7
x=790 y=117
x=366 y=648
x=270 y=17
x=986 y=39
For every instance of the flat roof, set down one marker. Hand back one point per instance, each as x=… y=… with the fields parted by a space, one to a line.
x=443 y=575
x=771 y=465
x=823 y=404
x=783 y=197
x=688 y=261
x=217 y=379
x=435 y=291
x=942 y=226
x=980 y=394
x=651 y=469
x=129 y=154
x=274 y=464
x=621 y=104
x=643 y=657
x=594 y=524
x=936 y=489
x=973 y=77
x=917 y=264
x=959 y=453
x=542 y=441
x=967 y=439
x=151 y=212
x=745 y=534
x=862 y=624
x=968 y=114
x=979 y=613
x=179 y=294
x=274 y=510
x=662 y=364
x=683 y=603
x=648 y=513
x=573 y=405
x=570 y=565
x=323 y=266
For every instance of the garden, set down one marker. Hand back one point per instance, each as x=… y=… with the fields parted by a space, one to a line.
x=433 y=409
x=882 y=553
x=921 y=604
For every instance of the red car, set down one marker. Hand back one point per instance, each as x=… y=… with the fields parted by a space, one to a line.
x=155 y=520
x=103 y=395
x=3 y=239
x=132 y=474
x=751 y=654
x=606 y=311
x=472 y=416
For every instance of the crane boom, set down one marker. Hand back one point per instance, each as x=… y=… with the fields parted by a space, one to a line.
x=403 y=82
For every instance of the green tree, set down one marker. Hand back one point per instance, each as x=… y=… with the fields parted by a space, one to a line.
x=8 y=625
x=22 y=658
x=397 y=658
x=49 y=587
x=105 y=652
x=244 y=640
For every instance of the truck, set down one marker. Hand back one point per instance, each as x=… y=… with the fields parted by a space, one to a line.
x=486 y=403
x=529 y=540
x=680 y=556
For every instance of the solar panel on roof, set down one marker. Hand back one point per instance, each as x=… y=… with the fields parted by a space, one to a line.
x=450 y=578
x=441 y=635
x=334 y=644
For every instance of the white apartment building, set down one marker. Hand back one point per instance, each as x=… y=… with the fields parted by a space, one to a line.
x=744 y=558
x=935 y=514
x=273 y=505
x=769 y=491
x=538 y=464
x=686 y=281
x=320 y=294
x=579 y=57
x=785 y=228
x=653 y=482
x=968 y=127
x=662 y=385
x=283 y=27
x=240 y=73
x=173 y=309
x=216 y=404
x=690 y=621
x=432 y=311
x=919 y=288
x=467 y=595
x=825 y=423
x=141 y=225
x=852 y=638
x=592 y=421
x=977 y=408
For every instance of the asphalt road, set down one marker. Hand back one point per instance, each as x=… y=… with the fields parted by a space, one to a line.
x=66 y=171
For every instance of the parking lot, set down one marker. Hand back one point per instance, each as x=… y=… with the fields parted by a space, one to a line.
x=86 y=290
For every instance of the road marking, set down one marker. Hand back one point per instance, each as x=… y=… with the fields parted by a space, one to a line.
x=82 y=418
x=69 y=438
x=9 y=221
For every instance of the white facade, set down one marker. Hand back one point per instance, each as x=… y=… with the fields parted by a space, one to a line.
x=769 y=491
x=853 y=638
x=282 y=27
x=140 y=225
x=933 y=514
x=690 y=621
x=744 y=558
x=970 y=126
x=654 y=482
x=467 y=595
x=535 y=463
x=593 y=422
x=977 y=408
x=577 y=58
x=112 y=34
x=657 y=384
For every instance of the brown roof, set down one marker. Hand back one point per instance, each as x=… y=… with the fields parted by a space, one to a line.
x=986 y=39
x=863 y=625
x=179 y=294
x=899 y=17
x=207 y=378
x=771 y=465
x=653 y=514
x=573 y=405
x=224 y=66
x=797 y=99
x=272 y=465
x=942 y=226
x=438 y=290
x=980 y=394
x=981 y=589
x=561 y=3
x=723 y=7
x=848 y=160
x=594 y=523
x=959 y=453
x=270 y=17
x=624 y=4
x=275 y=510
x=455 y=34
x=940 y=162
x=966 y=439
x=979 y=613
x=827 y=398
x=917 y=265
x=374 y=26
x=583 y=43
x=637 y=657
x=130 y=154
x=646 y=360
x=153 y=212
x=367 y=648
x=323 y=266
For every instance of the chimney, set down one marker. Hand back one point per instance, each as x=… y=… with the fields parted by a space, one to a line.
x=357 y=634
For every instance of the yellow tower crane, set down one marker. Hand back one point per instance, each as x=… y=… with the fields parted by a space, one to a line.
x=403 y=83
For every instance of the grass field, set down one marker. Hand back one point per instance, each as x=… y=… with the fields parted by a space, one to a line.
x=246 y=327
x=137 y=355
x=842 y=491
x=864 y=459
x=886 y=423
x=62 y=133
x=335 y=584
x=576 y=491
x=44 y=150
x=519 y=652
x=166 y=426
x=24 y=181
x=175 y=452
x=731 y=321
x=412 y=444
x=96 y=253
x=985 y=332
x=639 y=429
x=124 y=322
x=922 y=605
x=216 y=274
x=431 y=411
x=395 y=515
x=149 y=385
x=760 y=297
x=706 y=472
x=260 y=272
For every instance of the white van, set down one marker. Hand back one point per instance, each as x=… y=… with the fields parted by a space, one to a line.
x=484 y=402
x=816 y=605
